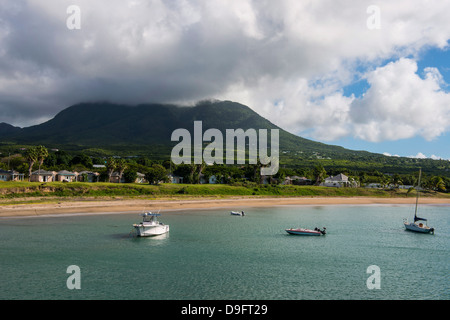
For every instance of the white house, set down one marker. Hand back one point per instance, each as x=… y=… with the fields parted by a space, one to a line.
x=43 y=176
x=140 y=178
x=338 y=181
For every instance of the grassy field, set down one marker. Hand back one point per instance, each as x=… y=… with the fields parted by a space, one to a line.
x=19 y=191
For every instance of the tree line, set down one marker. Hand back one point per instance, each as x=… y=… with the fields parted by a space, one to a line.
x=155 y=171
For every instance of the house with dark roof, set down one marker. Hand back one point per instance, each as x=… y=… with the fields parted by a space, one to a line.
x=10 y=175
x=140 y=178
x=66 y=176
x=175 y=178
x=88 y=176
x=296 y=180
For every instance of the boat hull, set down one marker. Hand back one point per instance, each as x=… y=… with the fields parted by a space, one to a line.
x=150 y=231
x=417 y=228
x=303 y=232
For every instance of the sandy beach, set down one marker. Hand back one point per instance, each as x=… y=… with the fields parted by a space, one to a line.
x=235 y=203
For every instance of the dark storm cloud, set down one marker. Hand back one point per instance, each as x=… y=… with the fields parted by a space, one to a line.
x=289 y=60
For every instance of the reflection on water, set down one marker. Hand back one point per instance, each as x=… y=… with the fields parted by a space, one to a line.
x=159 y=240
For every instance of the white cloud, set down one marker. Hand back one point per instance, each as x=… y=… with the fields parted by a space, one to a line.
x=288 y=60
x=420 y=155
x=390 y=155
x=400 y=104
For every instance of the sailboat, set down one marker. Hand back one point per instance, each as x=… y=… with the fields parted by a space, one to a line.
x=418 y=224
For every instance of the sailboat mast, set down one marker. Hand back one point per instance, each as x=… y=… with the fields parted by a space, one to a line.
x=417 y=194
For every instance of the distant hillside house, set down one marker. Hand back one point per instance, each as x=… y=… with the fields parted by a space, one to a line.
x=66 y=176
x=373 y=185
x=205 y=179
x=10 y=175
x=268 y=180
x=297 y=180
x=402 y=186
x=338 y=181
x=115 y=178
x=88 y=176
x=175 y=179
x=43 y=176
x=140 y=178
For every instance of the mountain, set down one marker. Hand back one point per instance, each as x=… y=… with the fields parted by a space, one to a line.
x=109 y=126
x=103 y=128
x=7 y=129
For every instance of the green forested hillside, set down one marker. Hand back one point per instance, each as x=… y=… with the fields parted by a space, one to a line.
x=107 y=129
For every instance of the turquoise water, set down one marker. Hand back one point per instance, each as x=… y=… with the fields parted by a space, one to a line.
x=210 y=254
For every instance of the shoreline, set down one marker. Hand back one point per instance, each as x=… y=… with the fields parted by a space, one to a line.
x=236 y=203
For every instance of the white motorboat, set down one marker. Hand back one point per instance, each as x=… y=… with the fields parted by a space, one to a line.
x=150 y=226
x=238 y=213
x=418 y=225
x=307 y=232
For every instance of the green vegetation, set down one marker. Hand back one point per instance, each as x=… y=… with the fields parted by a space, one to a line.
x=85 y=190
x=137 y=140
x=104 y=130
x=156 y=171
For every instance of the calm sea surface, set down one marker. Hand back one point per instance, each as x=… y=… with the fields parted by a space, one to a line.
x=210 y=254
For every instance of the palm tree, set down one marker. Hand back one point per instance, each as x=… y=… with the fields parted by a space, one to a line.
x=437 y=183
x=121 y=165
x=110 y=166
x=199 y=170
x=319 y=173
x=386 y=181
x=31 y=156
x=42 y=153
x=193 y=169
x=397 y=180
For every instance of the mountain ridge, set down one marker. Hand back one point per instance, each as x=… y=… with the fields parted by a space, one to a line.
x=101 y=129
x=103 y=124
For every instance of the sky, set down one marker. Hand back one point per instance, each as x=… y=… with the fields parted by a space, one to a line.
x=366 y=75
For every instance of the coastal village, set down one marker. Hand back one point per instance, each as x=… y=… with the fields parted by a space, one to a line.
x=58 y=166
x=340 y=180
